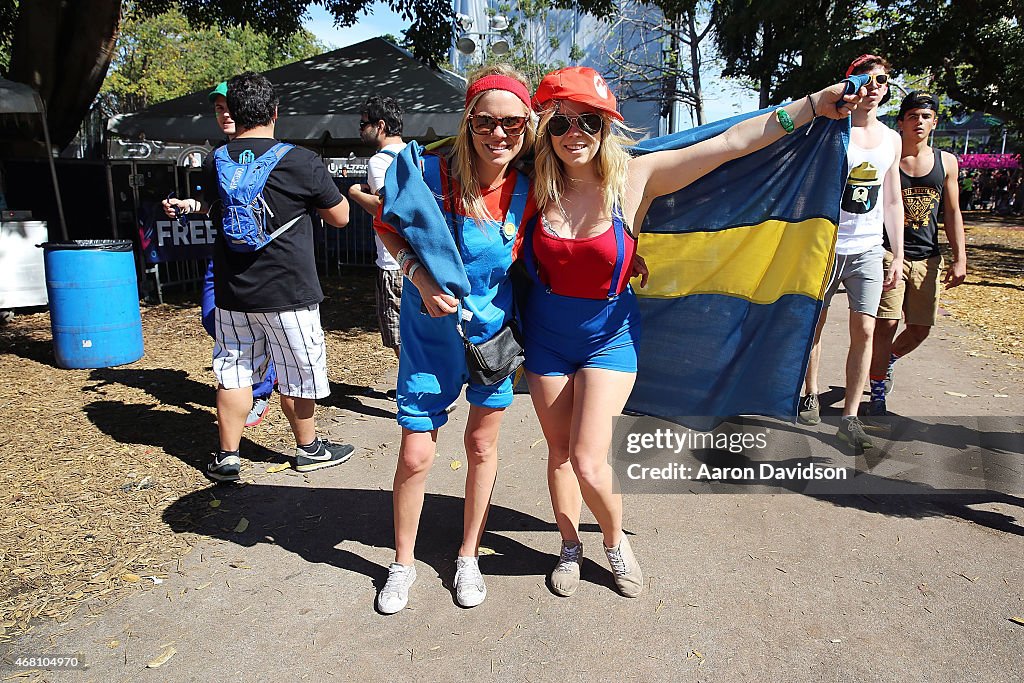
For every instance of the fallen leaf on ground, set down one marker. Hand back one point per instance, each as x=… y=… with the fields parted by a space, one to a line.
x=243 y=524
x=957 y=394
x=113 y=644
x=215 y=503
x=278 y=468
x=456 y=464
x=130 y=578
x=162 y=659
x=1017 y=620
x=484 y=550
x=536 y=442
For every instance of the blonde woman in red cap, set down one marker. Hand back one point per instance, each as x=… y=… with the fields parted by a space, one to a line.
x=486 y=199
x=581 y=322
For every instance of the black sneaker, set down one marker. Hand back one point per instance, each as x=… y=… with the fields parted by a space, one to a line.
x=851 y=430
x=330 y=454
x=225 y=469
x=810 y=412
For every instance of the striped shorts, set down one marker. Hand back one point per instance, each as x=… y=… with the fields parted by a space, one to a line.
x=389 y=303
x=246 y=342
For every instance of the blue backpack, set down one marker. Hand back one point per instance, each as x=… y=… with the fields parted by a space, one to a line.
x=241 y=185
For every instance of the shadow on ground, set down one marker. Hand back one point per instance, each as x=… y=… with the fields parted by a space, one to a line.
x=317 y=523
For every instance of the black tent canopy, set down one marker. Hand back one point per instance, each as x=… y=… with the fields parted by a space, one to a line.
x=321 y=98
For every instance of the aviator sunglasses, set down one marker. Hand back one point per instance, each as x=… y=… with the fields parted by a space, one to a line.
x=484 y=124
x=591 y=124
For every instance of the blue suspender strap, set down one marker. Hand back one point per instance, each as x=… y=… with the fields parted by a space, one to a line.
x=620 y=253
x=519 y=195
x=529 y=258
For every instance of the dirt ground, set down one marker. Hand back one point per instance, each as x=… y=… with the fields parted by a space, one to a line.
x=92 y=458
x=991 y=300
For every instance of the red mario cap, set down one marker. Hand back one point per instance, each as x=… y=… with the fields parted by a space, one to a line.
x=577 y=84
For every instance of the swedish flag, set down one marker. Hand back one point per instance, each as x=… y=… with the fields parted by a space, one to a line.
x=739 y=264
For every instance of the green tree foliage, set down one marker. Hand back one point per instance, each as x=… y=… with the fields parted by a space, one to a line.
x=969 y=50
x=8 y=14
x=973 y=50
x=161 y=57
x=63 y=49
x=787 y=47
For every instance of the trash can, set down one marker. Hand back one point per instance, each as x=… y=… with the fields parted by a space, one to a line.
x=94 y=303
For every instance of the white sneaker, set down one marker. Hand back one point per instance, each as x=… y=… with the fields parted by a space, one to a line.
x=470 y=590
x=394 y=596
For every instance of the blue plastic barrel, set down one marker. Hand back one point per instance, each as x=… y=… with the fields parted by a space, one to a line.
x=94 y=303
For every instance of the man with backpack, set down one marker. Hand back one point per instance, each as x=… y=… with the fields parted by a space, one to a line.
x=262 y=389
x=265 y=280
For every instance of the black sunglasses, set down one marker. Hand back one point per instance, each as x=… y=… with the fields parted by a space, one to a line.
x=364 y=124
x=591 y=124
x=484 y=124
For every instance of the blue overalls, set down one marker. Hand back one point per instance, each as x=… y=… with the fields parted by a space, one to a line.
x=432 y=359
x=565 y=333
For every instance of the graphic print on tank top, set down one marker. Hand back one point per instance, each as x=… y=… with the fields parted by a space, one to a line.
x=918 y=205
x=862 y=189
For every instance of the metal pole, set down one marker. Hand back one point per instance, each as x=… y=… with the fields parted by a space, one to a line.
x=53 y=172
x=110 y=198
x=1003 y=151
x=967 y=140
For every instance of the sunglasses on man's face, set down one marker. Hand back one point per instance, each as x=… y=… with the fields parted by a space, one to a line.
x=484 y=124
x=364 y=124
x=591 y=124
x=878 y=79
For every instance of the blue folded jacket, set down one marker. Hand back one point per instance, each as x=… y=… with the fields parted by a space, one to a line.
x=412 y=208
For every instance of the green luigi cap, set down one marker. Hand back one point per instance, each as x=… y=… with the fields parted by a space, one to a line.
x=221 y=89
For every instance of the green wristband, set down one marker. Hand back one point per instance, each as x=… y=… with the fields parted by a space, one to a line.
x=784 y=120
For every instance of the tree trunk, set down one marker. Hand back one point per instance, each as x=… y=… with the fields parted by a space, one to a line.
x=63 y=50
x=765 y=82
x=698 y=93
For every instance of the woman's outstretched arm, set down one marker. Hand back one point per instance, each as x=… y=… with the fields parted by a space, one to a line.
x=667 y=171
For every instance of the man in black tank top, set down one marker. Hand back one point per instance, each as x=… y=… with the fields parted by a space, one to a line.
x=928 y=178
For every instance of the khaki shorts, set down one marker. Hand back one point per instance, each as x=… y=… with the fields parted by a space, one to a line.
x=389 y=305
x=916 y=295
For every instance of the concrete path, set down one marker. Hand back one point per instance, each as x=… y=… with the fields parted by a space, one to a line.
x=740 y=587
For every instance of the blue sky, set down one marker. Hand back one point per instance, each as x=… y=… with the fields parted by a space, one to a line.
x=721 y=102
x=381 y=21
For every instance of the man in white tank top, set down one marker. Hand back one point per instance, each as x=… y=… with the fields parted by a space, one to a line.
x=872 y=198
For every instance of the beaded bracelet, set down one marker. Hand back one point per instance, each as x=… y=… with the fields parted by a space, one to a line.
x=402 y=256
x=408 y=263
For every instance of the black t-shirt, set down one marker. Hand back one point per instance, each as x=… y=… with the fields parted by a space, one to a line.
x=282 y=275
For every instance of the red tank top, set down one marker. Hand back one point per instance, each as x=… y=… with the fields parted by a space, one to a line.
x=582 y=267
